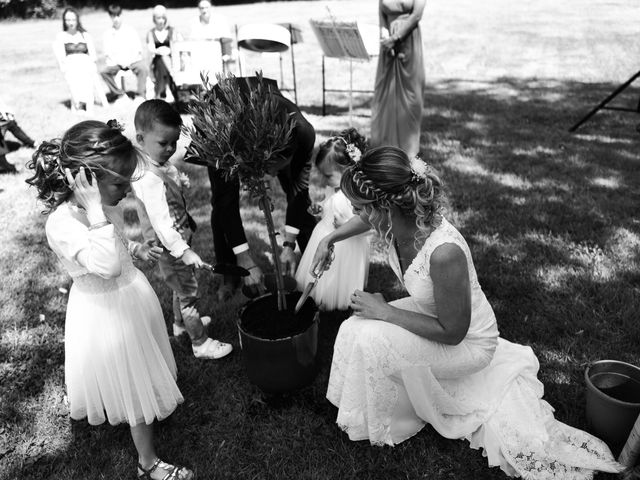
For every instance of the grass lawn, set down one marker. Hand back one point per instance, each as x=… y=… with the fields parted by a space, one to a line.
x=551 y=218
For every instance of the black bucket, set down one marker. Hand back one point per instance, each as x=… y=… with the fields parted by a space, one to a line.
x=613 y=400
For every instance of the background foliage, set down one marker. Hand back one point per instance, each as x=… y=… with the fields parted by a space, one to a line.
x=28 y=8
x=49 y=8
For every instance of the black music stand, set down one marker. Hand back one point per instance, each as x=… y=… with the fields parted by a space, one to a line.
x=603 y=104
x=263 y=45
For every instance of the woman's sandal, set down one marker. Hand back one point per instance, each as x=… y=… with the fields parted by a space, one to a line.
x=175 y=472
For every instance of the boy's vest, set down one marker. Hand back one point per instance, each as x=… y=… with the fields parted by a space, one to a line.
x=183 y=223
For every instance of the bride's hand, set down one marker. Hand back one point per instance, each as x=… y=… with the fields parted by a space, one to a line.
x=322 y=258
x=369 y=305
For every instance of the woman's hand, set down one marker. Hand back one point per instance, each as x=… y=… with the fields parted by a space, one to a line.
x=387 y=44
x=322 y=258
x=86 y=194
x=369 y=305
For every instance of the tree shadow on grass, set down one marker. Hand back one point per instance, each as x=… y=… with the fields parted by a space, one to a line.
x=339 y=105
x=34 y=305
x=550 y=216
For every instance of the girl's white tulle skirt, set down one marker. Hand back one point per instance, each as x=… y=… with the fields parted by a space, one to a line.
x=349 y=269
x=118 y=361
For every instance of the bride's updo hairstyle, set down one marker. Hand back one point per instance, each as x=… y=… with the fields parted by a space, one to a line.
x=385 y=178
x=99 y=147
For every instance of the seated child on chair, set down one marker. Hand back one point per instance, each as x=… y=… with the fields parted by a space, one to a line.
x=160 y=191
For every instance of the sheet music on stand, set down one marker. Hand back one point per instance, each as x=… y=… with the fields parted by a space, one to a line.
x=341 y=39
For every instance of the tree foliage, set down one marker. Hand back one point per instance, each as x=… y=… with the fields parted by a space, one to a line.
x=240 y=129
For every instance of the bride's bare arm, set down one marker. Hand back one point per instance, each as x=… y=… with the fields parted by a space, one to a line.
x=452 y=292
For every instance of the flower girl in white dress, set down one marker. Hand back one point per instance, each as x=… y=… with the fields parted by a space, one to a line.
x=119 y=366
x=351 y=264
x=436 y=356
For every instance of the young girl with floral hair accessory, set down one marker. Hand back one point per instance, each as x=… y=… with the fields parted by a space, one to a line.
x=351 y=261
x=119 y=366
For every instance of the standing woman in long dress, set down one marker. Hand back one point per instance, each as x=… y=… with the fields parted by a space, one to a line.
x=397 y=100
x=76 y=54
x=159 y=42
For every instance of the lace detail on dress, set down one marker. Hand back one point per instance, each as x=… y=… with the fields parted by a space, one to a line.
x=370 y=421
x=444 y=233
x=537 y=446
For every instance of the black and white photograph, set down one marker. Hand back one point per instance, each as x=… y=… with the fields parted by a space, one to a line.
x=319 y=239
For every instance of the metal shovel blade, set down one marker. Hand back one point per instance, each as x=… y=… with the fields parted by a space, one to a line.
x=305 y=295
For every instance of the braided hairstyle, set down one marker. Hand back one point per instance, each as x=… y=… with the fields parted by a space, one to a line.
x=99 y=147
x=335 y=149
x=383 y=179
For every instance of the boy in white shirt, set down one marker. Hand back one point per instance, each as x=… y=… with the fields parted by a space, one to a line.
x=123 y=51
x=160 y=189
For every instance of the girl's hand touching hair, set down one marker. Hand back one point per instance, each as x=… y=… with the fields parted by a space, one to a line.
x=86 y=194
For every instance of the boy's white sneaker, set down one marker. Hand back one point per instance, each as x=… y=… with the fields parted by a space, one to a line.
x=179 y=329
x=212 y=349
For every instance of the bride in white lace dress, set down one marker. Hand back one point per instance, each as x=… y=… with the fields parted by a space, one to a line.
x=436 y=356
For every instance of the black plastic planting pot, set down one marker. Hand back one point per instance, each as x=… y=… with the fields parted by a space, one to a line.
x=279 y=349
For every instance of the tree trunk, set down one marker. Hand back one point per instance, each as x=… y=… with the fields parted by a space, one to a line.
x=265 y=205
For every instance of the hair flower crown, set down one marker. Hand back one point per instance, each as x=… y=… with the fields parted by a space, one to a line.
x=354 y=152
x=418 y=169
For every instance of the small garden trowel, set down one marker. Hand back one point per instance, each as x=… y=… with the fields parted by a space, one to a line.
x=227 y=269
